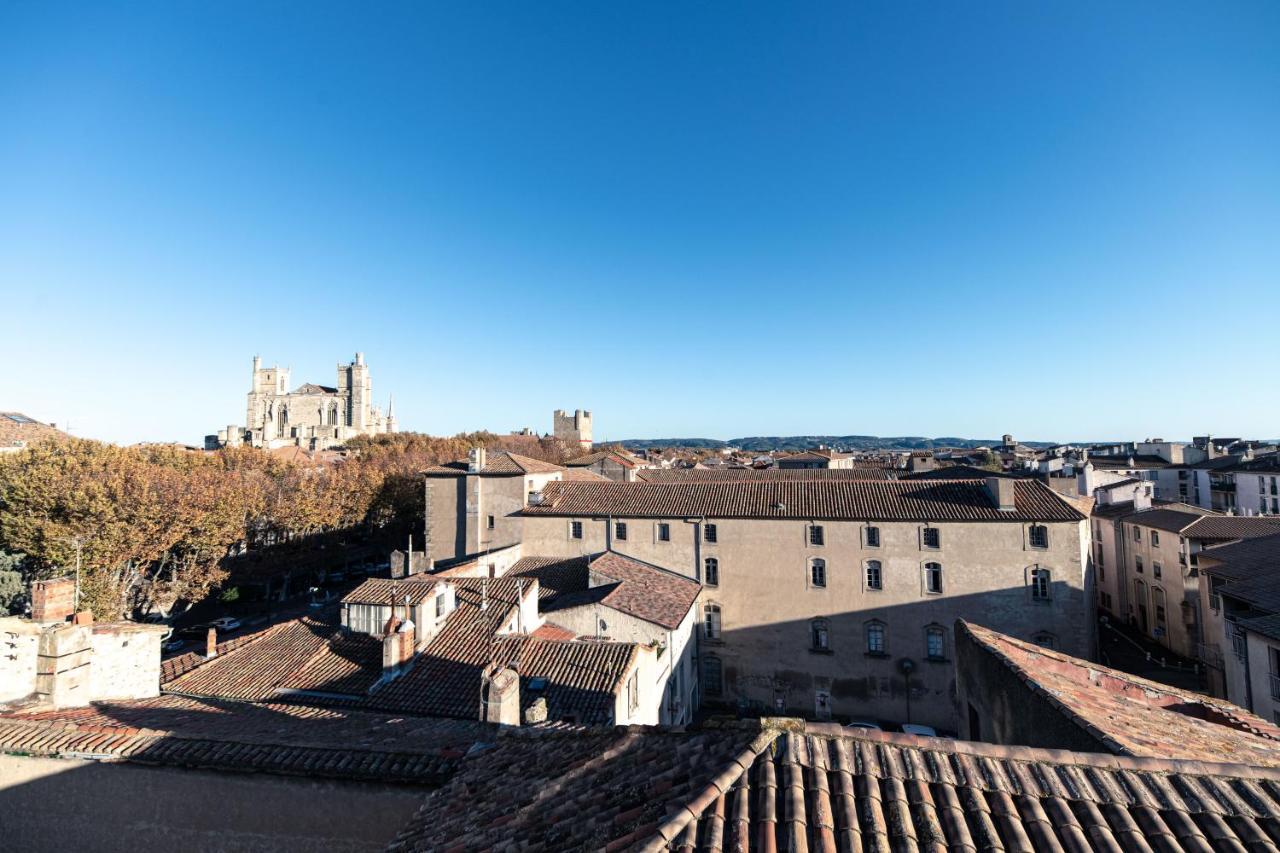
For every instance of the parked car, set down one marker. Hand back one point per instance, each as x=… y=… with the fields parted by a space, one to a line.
x=194 y=630
x=863 y=725
x=174 y=644
x=225 y=623
x=922 y=731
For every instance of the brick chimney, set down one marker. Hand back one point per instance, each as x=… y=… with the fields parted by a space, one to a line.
x=1000 y=489
x=398 y=638
x=53 y=600
x=500 y=695
x=211 y=643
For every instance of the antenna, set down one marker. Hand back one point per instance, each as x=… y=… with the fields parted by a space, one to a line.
x=484 y=594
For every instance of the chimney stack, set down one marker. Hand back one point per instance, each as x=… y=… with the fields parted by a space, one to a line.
x=1000 y=489
x=476 y=459
x=397 y=642
x=53 y=600
x=211 y=643
x=500 y=695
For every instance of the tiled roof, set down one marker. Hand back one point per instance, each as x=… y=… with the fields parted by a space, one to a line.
x=382 y=590
x=276 y=738
x=1232 y=527
x=1170 y=519
x=16 y=430
x=718 y=475
x=349 y=665
x=1131 y=462
x=816 y=787
x=1132 y=715
x=500 y=462
x=312 y=388
x=1251 y=569
x=555 y=575
x=583 y=475
x=891 y=500
x=254 y=671
x=445 y=677
x=624 y=459
x=644 y=591
x=959 y=472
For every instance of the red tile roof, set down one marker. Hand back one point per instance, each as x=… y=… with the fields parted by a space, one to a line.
x=716 y=475
x=499 y=462
x=1132 y=715
x=382 y=590
x=642 y=590
x=891 y=500
x=276 y=738
x=18 y=430
x=626 y=460
x=794 y=787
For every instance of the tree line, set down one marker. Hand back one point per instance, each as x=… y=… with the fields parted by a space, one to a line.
x=154 y=524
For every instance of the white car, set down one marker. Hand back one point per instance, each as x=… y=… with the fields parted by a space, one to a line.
x=226 y=623
x=921 y=731
x=863 y=726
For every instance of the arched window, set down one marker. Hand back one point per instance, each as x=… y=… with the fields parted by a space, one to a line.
x=711 y=620
x=1038 y=536
x=1041 y=584
x=712 y=675
x=935 y=642
x=819 y=635
x=1044 y=638
x=933 y=578
x=876 y=640
x=711 y=571
x=875 y=578
x=818 y=572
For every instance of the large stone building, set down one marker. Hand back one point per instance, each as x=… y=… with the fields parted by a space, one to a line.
x=313 y=417
x=836 y=598
x=572 y=429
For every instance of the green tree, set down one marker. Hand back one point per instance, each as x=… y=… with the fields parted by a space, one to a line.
x=13 y=585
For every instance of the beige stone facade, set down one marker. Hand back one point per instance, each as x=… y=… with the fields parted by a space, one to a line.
x=822 y=623
x=313 y=417
x=572 y=428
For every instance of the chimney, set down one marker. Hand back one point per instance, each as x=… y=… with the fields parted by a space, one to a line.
x=53 y=600
x=397 y=642
x=476 y=459
x=1142 y=496
x=1000 y=489
x=211 y=643
x=500 y=695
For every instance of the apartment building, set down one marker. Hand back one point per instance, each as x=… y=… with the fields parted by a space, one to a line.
x=1241 y=602
x=838 y=597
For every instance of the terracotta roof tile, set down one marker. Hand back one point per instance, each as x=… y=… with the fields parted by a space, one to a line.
x=717 y=475
x=798 y=787
x=950 y=500
x=1132 y=715
x=499 y=462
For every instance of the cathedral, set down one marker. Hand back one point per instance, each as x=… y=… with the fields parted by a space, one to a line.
x=313 y=417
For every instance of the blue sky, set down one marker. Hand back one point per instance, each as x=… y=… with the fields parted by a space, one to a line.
x=711 y=219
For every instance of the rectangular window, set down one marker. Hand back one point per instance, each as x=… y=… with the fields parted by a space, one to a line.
x=933 y=578
x=873 y=537
x=1156 y=570
x=1137 y=533
x=1155 y=539
x=712 y=676
x=1038 y=536
x=815 y=534
x=818 y=573
x=664 y=531
x=709 y=533
x=439 y=606
x=931 y=537
x=874 y=576
x=620 y=530
x=711 y=571
x=875 y=639
x=1137 y=564
x=575 y=529
x=818 y=639
x=711 y=621
x=1040 y=585
x=935 y=644
x=491 y=522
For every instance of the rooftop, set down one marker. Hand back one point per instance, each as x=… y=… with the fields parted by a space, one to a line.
x=718 y=475
x=499 y=462
x=889 y=500
x=1132 y=715
x=1250 y=569
x=17 y=430
x=794 y=786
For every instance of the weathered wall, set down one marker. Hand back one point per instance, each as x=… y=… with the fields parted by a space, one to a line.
x=767 y=603
x=53 y=805
x=126 y=662
x=1008 y=711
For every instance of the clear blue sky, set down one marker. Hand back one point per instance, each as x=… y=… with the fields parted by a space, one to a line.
x=1056 y=220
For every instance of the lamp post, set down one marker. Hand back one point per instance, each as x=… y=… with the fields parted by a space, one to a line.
x=907 y=666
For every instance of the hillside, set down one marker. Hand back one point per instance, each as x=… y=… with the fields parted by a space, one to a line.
x=803 y=442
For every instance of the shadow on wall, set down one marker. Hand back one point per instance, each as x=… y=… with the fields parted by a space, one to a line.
x=779 y=668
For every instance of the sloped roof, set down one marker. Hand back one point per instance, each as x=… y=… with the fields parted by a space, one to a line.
x=1251 y=569
x=17 y=429
x=644 y=591
x=959 y=472
x=716 y=475
x=624 y=459
x=312 y=388
x=890 y=500
x=273 y=738
x=795 y=786
x=414 y=588
x=499 y=462
x=1132 y=715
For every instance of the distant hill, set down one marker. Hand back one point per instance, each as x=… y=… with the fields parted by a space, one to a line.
x=804 y=442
